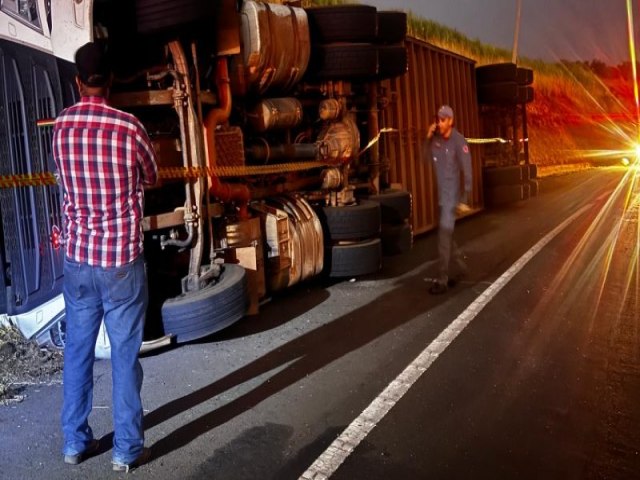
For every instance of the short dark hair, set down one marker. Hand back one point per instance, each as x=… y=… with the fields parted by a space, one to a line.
x=93 y=64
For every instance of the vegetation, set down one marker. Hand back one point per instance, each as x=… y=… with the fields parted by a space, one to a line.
x=564 y=91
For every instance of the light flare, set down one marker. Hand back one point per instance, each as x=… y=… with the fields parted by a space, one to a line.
x=623 y=205
x=634 y=67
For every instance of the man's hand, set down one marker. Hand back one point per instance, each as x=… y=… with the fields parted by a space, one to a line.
x=463 y=204
x=432 y=130
x=462 y=208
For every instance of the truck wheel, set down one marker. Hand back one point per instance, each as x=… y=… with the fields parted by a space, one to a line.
x=355 y=259
x=393 y=61
x=197 y=314
x=347 y=23
x=503 y=194
x=495 y=177
x=395 y=205
x=496 y=73
x=357 y=61
x=155 y=16
x=524 y=76
x=498 y=93
x=525 y=94
x=392 y=27
x=534 y=188
x=396 y=239
x=533 y=171
x=351 y=222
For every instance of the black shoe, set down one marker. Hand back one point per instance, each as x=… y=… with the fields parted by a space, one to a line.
x=438 y=288
x=90 y=451
x=127 y=467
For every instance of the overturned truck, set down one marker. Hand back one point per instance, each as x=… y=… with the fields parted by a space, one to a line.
x=279 y=131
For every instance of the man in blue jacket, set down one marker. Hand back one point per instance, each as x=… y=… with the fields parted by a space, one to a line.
x=448 y=152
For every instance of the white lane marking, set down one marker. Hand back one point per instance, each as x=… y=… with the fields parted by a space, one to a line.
x=329 y=461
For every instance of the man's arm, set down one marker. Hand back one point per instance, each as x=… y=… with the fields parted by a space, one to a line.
x=147 y=158
x=426 y=144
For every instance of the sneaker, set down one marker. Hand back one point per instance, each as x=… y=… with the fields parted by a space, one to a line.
x=127 y=467
x=438 y=288
x=82 y=456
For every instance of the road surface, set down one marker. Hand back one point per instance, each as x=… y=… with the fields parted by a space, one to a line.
x=528 y=368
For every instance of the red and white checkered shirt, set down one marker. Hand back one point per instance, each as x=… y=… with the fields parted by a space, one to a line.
x=104 y=156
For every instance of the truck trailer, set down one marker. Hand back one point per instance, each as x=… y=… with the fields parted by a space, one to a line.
x=288 y=141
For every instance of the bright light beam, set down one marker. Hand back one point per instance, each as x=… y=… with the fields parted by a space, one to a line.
x=632 y=52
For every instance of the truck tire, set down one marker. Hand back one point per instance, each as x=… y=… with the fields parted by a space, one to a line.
x=392 y=27
x=357 y=61
x=496 y=73
x=393 y=61
x=352 y=222
x=503 y=194
x=533 y=171
x=197 y=314
x=534 y=188
x=495 y=177
x=505 y=93
x=345 y=23
x=154 y=16
x=395 y=205
x=524 y=76
x=525 y=94
x=498 y=93
x=355 y=259
x=396 y=239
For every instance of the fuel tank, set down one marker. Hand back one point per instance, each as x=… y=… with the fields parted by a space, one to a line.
x=275 y=48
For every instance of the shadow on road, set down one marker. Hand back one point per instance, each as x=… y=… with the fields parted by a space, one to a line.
x=303 y=356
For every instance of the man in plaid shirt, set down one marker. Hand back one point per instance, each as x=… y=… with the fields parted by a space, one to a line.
x=104 y=157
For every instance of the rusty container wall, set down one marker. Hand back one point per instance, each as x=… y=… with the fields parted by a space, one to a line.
x=435 y=77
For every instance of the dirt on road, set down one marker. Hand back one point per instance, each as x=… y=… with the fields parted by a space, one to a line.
x=24 y=363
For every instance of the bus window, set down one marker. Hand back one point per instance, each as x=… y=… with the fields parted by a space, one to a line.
x=24 y=10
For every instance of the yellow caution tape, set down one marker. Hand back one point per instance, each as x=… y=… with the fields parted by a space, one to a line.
x=27 y=180
x=48 y=178
x=236 y=170
x=45 y=122
x=484 y=141
x=376 y=139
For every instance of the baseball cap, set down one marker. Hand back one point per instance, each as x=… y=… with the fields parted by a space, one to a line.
x=92 y=62
x=445 y=111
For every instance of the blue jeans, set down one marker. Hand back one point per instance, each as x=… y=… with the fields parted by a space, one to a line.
x=119 y=295
x=447 y=248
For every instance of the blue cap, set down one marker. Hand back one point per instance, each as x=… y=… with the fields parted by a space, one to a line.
x=445 y=111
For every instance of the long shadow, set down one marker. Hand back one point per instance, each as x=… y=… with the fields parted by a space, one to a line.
x=304 y=355
x=281 y=308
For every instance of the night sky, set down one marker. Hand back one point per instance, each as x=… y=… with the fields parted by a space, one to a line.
x=550 y=29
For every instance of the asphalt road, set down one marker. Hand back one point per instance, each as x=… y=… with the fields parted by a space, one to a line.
x=543 y=381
